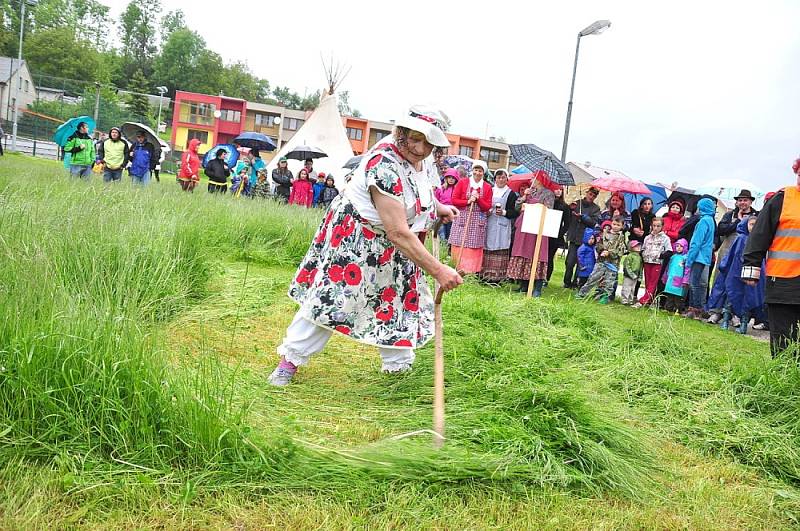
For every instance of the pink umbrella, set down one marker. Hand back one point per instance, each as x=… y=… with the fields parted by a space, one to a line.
x=618 y=182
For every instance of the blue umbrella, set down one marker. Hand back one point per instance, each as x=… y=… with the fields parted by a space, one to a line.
x=536 y=158
x=231 y=157
x=657 y=193
x=66 y=129
x=257 y=141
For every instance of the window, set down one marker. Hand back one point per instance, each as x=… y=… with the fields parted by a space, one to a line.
x=354 y=133
x=490 y=155
x=27 y=85
x=466 y=151
x=196 y=113
x=380 y=134
x=229 y=115
x=265 y=120
x=20 y=83
x=202 y=136
x=293 y=124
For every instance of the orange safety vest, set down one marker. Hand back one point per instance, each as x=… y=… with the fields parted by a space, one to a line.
x=783 y=259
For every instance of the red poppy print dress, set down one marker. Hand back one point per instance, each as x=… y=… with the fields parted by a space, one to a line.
x=352 y=279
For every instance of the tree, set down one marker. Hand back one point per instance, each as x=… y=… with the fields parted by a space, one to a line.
x=171 y=22
x=137 y=100
x=286 y=98
x=344 y=105
x=239 y=82
x=88 y=19
x=185 y=63
x=57 y=52
x=139 y=35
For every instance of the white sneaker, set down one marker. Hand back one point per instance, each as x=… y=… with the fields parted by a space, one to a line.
x=638 y=305
x=735 y=322
x=760 y=326
x=714 y=318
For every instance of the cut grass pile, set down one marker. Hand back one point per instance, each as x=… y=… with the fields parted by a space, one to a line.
x=140 y=324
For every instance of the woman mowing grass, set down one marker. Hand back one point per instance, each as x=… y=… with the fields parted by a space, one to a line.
x=362 y=276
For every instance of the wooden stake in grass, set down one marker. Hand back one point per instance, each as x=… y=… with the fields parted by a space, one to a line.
x=464 y=237
x=535 y=259
x=438 y=360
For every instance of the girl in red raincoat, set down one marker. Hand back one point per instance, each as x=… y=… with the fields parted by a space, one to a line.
x=189 y=174
x=302 y=190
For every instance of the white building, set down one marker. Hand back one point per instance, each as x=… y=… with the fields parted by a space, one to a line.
x=16 y=87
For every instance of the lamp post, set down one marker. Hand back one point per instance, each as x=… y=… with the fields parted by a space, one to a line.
x=19 y=68
x=161 y=90
x=595 y=28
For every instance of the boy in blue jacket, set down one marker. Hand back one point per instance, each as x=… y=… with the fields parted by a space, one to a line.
x=698 y=259
x=586 y=257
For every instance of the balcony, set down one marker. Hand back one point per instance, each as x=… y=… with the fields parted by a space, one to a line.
x=196 y=113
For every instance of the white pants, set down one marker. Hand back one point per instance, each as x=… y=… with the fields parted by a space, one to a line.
x=628 y=290
x=304 y=339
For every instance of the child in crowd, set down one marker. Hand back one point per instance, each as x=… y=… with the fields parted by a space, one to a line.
x=698 y=258
x=329 y=193
x=239 y=183
x=302 y=190
x=319 y=186
x=586 y=257
x=610 y=249
x=655 y=245
x=675 y=282
x=261 y=189
x=631 y=269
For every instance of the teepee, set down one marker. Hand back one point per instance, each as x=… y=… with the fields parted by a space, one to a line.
x=323 y=129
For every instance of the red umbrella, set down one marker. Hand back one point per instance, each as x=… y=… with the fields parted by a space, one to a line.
x=523 y=180
x=621 y=183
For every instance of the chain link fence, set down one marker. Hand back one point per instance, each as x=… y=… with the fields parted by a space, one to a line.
x=58 y=99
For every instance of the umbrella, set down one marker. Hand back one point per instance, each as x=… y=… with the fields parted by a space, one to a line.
x=458 y=160
x=130 y=129
x=353 y=163
x=521 y=180
x=304 y=152
x=257 y=141
x=536 y=158
x=66 y=129
x=621 y=183
x=728 y=188
x=231 y=157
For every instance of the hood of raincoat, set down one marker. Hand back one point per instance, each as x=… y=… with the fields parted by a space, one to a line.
x=193 y=144
x=706 y=207
x=681 y=204
x=683 y=243
x=588 y=233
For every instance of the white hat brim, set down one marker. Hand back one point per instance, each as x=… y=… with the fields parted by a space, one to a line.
x=433 y=134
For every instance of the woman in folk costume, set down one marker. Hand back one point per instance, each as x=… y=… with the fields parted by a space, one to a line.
x=499 y=229
x=473 y=198
x=519 y=266
x=362 y=276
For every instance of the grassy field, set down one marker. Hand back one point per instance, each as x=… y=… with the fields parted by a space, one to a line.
x=139 y=326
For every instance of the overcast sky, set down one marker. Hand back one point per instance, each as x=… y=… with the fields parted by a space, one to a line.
x=684 y=91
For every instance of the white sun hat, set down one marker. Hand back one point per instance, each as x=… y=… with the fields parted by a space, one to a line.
x=479 y=162
x=430 y=122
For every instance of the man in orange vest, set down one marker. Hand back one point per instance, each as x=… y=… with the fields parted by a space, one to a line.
x=776 y=236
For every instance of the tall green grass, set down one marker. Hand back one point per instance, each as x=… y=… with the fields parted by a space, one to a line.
x=86 y=272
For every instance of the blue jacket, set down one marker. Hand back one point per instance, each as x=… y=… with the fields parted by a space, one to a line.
x=586 y=256
x=318 y=188
x=702 y=245
x=728 y=286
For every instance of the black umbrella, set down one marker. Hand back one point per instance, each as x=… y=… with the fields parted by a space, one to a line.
x=352 y=163
x=535 y=158
x=257 y=141
x=304 y=152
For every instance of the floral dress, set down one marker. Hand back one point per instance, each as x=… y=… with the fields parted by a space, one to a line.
x=352 y=279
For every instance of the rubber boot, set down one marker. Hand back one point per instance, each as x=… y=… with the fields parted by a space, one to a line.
x=725 y=324
x=523 y=286
x=743 y=324
x=537 y=288
x=603 y=298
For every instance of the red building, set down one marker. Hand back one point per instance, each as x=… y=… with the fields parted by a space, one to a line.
x=211 y=119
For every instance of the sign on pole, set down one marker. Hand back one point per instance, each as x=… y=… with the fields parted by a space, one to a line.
x=544 y=223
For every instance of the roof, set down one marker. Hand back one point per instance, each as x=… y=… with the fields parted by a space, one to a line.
x=5 y=68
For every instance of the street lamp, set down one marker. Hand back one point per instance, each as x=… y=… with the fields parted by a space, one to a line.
x=19 y=69
x=596 y=28
x=161 y=90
